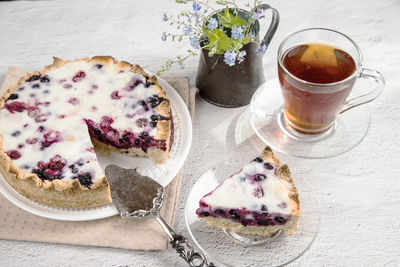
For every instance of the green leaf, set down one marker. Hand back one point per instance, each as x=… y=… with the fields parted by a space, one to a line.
x=227 y=14
x=218 y=41
x=223 y=42
x=238 y=21
x=225 y=18
x=223 y=21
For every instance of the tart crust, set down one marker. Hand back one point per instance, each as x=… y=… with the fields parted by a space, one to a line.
x=70 y=193
x=283 y=172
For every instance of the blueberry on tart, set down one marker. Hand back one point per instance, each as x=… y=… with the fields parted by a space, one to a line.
x=260 y=199
x=52 y=120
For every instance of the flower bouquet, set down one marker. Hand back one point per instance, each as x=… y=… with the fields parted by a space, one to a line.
x=230 y=67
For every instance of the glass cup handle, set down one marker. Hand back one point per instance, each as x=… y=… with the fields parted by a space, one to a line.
x=272 y=26
x=374 y=75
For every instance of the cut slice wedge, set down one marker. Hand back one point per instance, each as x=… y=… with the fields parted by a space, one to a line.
x=260 y=199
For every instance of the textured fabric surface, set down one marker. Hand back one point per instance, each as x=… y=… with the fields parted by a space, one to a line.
x=144 y=234
x=358 y=192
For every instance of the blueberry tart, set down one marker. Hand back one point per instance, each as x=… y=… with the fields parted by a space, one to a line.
x=52 y=120
x=260 y=199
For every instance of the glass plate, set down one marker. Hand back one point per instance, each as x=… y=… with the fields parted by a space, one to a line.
x=267 y=120
x=230 y=249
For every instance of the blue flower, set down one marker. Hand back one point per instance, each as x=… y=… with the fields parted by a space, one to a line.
x=258 y=14
x=261 y=49
x=165 y=17
x=230 y=57
x=240 y=56
x=187 y=30
x=164 y=36
x=237 y=33
x=213 y=24
x=194 y=42
x=196 y=6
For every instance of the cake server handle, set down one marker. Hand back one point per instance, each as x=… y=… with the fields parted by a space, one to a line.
x=182 y=246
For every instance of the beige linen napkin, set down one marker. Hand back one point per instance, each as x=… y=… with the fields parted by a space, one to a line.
x=144 y=234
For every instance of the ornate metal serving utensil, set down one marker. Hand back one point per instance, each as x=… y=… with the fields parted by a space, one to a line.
x=137 y=196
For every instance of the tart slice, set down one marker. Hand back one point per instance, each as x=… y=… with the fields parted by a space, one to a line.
x=260 y=199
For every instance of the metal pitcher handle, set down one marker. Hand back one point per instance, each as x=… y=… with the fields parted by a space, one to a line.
x=272 y=26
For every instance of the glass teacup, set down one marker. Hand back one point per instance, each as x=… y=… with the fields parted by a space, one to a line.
x=317 y=69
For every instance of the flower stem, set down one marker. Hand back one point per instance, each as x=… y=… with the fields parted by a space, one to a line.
x=203 y=3
x=170 y=62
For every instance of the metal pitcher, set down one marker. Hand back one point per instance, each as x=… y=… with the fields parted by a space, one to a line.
x=234 y=86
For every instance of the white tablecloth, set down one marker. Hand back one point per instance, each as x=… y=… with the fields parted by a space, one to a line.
x=358 y=192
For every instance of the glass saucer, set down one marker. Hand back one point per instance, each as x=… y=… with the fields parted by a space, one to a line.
x=267 y=120
x=225 y=248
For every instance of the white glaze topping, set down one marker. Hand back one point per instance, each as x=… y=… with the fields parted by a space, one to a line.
x=237 y=192
x=73 y=93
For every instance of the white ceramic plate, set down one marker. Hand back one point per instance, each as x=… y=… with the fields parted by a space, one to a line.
x=162 y=173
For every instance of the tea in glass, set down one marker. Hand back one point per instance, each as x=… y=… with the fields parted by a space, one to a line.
x=316 y=79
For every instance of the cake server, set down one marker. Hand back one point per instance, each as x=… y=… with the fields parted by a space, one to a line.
x=137 y=196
